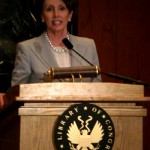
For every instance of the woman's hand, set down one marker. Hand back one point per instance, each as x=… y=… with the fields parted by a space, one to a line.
x=1 y=99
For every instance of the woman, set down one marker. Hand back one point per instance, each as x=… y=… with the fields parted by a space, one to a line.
x=36 y=56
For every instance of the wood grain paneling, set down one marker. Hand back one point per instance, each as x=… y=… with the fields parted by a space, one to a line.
x=121 y=30
x=98 y=21
x=128 y=38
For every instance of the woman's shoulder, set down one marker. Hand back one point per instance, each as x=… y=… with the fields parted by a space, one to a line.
x=79 y=39
x=31 y=41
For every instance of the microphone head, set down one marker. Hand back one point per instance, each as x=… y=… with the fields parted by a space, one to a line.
x=67 y=43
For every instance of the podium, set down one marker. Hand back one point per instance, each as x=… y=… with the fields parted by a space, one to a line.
x=44 y=102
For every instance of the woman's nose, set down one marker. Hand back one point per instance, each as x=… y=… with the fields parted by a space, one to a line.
x=55 y=12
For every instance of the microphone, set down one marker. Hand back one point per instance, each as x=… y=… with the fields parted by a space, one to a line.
x=68 y=44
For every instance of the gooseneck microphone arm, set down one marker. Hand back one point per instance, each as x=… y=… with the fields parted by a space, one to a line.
x=68 y=44
x=125 y=79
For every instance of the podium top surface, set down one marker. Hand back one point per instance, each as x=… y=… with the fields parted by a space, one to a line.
x=81 y=91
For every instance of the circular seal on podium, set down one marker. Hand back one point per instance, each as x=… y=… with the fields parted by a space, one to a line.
x=84 y=127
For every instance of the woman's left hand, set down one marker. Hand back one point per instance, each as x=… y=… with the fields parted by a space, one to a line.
x=1 y=99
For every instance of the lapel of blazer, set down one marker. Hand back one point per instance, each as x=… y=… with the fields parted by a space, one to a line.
x=75 y=59
x=43 y=52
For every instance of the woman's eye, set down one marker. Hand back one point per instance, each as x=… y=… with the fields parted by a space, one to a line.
x=62 y=8
x=50 y=9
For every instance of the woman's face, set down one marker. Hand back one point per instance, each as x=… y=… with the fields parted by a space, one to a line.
x=56 y=15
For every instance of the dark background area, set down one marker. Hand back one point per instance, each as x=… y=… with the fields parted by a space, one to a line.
x=121 y=30
x=19 y=21
x=16 y=24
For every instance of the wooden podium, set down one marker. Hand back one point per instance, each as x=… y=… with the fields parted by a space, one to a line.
x=43 y=103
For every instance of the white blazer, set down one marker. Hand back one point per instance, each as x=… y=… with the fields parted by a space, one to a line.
x=34 y=58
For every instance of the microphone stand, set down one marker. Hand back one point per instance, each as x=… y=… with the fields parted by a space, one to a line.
x=69 y=45
x=125 y=79
x=83 y=57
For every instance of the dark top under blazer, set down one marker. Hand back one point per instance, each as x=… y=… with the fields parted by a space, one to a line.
x=34 y=58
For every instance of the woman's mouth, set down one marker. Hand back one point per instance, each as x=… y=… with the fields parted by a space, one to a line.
x=57 y=22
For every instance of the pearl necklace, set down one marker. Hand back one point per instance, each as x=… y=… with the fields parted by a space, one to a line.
x=55 y=49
